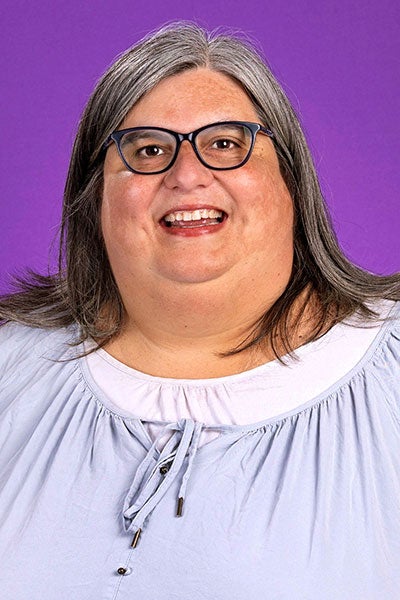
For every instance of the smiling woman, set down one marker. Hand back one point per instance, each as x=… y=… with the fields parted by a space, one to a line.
x=205 y=351
x=244 y=244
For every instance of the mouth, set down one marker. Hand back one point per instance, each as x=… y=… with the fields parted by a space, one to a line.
x=193 y=219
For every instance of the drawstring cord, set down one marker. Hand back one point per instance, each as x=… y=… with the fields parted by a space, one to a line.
x=152 y=491
x=192 y=453
x=144 y=474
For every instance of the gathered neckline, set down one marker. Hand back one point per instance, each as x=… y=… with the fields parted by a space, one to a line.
x=266 y=368
x=100 y=397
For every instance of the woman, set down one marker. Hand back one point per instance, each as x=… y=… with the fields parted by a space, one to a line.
x=159 y=437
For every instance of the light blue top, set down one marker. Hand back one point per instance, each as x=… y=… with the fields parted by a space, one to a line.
x=304 y=506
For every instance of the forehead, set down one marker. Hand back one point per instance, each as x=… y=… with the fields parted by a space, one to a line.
x=190 y=100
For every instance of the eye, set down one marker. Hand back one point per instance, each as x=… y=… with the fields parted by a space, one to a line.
x=224 y=144
x=149 y=151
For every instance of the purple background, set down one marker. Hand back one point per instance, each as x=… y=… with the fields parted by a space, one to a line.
x=338 y=61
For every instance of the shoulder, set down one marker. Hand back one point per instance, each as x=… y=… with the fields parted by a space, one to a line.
x=386 y=345
x=368 y=351
x=390 y=347
x=388 y=313
x=23 y=347
x=379 y=375
x=387 y=318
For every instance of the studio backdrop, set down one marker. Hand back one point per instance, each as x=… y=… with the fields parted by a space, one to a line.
x=337 y=61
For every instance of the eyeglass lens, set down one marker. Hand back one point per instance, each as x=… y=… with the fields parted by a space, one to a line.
x=220 y=146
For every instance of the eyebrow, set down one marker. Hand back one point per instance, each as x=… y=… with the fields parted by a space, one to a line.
x=145 y=133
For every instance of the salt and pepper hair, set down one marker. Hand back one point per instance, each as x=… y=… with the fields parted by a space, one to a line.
x=84 y=290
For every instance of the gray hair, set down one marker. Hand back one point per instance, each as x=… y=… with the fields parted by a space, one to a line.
x=85 y=287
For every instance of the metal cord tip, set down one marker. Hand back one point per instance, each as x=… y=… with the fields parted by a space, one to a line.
x=136 y=538
x=180 y=507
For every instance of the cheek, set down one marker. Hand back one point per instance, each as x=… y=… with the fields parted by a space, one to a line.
x=125 y=204
x=123 y=218
x=268 y=199
x=278 y=206
x=118 y=197
x=268 y=216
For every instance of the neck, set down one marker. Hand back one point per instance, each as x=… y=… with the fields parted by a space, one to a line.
x=185 y=331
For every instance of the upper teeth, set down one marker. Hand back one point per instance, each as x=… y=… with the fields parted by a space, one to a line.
x=193 y=215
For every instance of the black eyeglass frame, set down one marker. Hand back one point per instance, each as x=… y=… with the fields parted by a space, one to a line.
x=254 y=128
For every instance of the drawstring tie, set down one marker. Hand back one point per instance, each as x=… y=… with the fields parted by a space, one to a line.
x=149 y=485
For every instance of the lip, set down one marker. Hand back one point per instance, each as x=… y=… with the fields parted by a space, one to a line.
x=196 y=230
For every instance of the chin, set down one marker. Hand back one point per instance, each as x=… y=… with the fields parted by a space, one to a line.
x=194 y=274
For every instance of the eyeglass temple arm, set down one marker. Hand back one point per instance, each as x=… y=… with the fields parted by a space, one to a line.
x=267 y=132
x=107 y=142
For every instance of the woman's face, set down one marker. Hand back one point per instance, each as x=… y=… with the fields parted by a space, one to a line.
x=255 y=238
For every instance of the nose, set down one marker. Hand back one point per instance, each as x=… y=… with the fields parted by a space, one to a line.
x=187 y=172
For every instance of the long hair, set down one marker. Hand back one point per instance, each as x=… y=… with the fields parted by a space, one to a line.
x=84 y=290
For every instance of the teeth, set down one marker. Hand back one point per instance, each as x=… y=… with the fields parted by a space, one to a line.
x=194 y=215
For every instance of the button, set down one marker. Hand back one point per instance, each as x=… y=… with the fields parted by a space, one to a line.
x=165 y=468
x=124 y=571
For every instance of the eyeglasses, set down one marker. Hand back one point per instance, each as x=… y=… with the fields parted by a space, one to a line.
x=219 y=146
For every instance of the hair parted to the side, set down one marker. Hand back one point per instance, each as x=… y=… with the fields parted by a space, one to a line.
x=84 y=290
